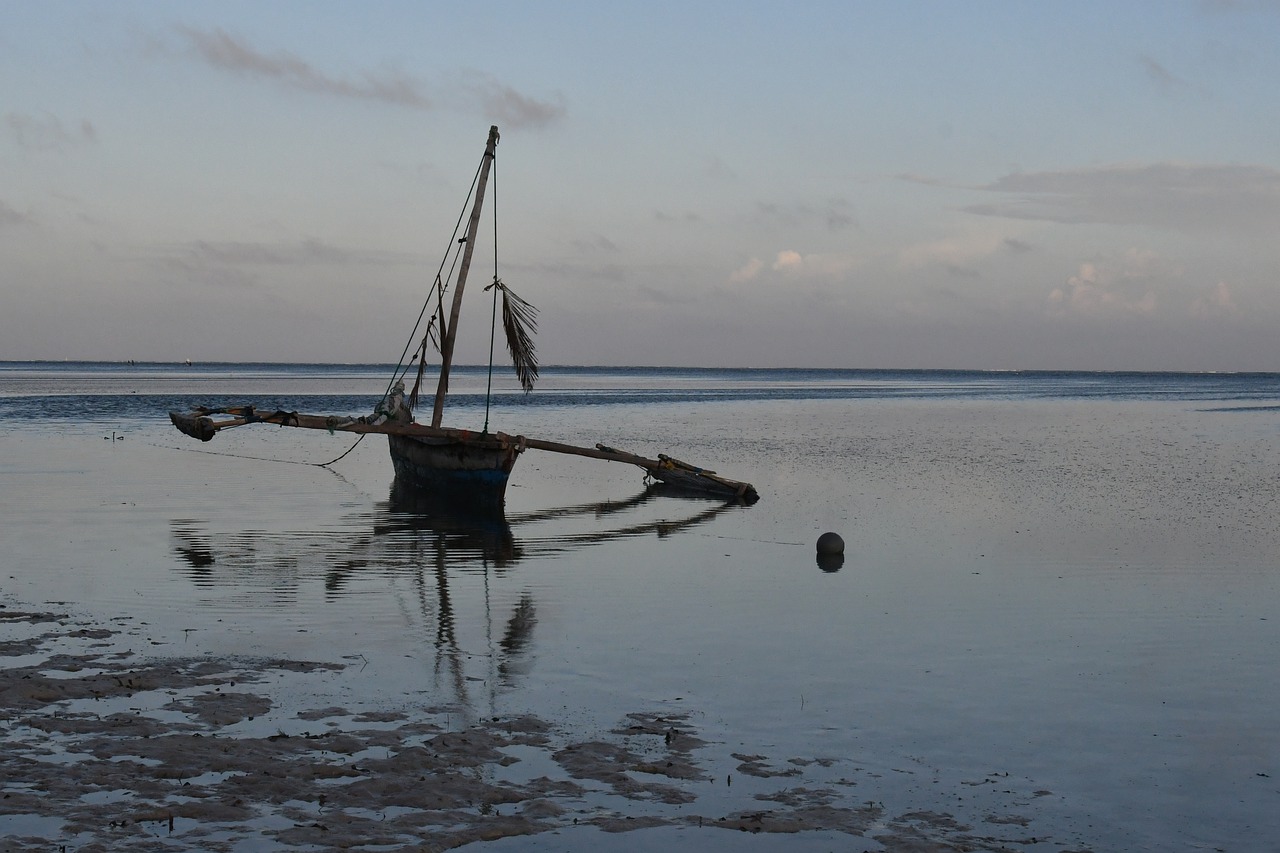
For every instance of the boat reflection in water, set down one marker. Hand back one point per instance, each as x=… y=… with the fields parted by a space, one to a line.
x=449 y=573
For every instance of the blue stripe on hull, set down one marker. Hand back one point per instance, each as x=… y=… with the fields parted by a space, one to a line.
x=477 y=484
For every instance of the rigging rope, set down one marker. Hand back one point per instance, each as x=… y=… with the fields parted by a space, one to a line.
x=437 y=288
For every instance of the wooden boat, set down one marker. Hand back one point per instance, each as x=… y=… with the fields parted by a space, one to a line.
x=462 y=466
x=470 y=468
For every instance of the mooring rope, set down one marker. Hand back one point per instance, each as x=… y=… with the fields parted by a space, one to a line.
x=338 y=458
x=348 y=450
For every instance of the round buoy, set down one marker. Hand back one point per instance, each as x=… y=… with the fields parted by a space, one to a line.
x=830 y=543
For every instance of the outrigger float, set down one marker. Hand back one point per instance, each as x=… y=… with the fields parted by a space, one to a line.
x=457 y=466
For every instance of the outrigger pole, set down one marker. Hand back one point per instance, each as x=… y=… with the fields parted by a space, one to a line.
x=200 y=423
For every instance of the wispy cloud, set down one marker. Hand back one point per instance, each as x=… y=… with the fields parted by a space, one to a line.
x=1165 y=79
x=499 y=101
x=10 y=217
x=715 y=167
x=248 y=265
x=301 y=253
x=663 y=216
x=925 y=180
x=596 y=243
x=574 y=270
x=192 y=271
x=511 y=108
x=1189 y=197
x=48 y=133
x=661 y=296
x=835 y=213
x=226 y=52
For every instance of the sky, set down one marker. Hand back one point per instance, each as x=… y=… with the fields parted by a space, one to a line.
x=980 y=185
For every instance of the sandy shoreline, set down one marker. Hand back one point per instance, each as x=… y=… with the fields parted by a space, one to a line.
x=108 y=749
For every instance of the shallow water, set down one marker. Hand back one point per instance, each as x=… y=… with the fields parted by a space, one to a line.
x=1070 y=579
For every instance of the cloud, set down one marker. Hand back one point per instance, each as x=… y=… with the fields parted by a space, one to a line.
x=925 y=180
x=226 y=52
x=955 y=254
x=10 y=217
x=1184 y=197
x=793 y=264
x=1017 y=247
x=838 y=220
x=251 y=265
x=748 y=271
x=229 y=254
x=47 y=132
x=573 y=270
x=597 y=243
x=1217 y=301
x=834 y=213
x=660 y=296
x=1117 y=287
x=717 y=169
x=788 y=260
x=511 y=108
x=663 y=216
x=190 y=272
x=1161 y=76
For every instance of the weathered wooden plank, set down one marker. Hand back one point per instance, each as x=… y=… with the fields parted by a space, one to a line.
x=200 y=424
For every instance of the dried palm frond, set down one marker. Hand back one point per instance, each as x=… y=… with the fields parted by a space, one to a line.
x=520 y=322
x=429 y=338
x=433 y=334
x=417 y=384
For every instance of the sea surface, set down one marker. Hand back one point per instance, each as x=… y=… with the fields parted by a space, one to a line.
x=1064 y=583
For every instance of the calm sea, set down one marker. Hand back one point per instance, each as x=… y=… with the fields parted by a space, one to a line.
x=101 y=391
x=1060 y=597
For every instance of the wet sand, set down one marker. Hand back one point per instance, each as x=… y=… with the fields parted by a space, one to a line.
x=109 y=749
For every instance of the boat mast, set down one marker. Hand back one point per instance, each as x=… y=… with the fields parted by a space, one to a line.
x=451 y=331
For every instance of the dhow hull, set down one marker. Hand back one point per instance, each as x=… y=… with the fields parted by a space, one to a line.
x=470 y=472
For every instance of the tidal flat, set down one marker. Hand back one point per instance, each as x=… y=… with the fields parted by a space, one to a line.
x=1055 y=628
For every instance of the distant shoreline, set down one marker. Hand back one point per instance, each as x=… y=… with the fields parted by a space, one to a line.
x=11 y=364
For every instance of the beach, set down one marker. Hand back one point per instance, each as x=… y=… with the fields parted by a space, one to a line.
x=1054 y=627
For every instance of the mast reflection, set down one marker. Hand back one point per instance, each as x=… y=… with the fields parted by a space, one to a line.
x=450 y=558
